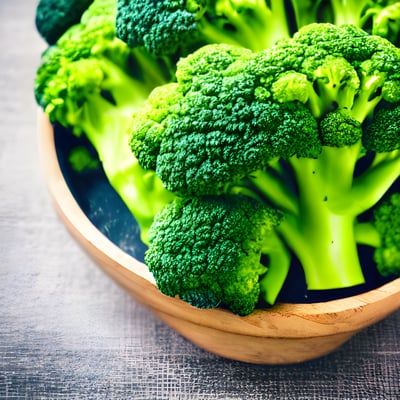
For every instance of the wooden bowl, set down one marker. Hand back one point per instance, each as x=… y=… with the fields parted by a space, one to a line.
x=283 y=334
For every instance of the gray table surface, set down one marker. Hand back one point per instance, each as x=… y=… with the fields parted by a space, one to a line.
x=67 y=331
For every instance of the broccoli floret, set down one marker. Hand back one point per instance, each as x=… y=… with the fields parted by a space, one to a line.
x=387 y=225
x=382 y=133
x=239 y=124
x=215 y=133
x=168 y=26
x=207 y=250
x=92 y=82
x=54 y=17
x=380 y=230
x=339 y=129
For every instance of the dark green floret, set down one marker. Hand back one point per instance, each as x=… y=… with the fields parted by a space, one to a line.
x=207 y=250
x=387 y=224
x=54 y=17
x=382 y=134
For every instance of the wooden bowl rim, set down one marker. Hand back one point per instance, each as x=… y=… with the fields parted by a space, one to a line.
x=261 y=320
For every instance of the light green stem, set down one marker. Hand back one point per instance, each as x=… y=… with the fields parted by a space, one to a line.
x=322 y=239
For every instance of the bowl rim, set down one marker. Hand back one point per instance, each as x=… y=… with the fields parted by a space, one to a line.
x=122 y=266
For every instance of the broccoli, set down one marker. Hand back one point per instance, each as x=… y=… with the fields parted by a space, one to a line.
x=166 y=27
x=178 y=27
x=381 y=231
x=385 y=18
x=308 y=127
x=386 y=222
x=54 y=17
x=91 y=82
x=207 y=250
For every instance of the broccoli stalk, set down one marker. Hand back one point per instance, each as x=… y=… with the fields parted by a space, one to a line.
x=91 y=82
x=256 y=24
x=321 y=236
x=348 y=11
x=308 y=127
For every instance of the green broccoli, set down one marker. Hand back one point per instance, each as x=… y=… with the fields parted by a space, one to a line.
x=178 y=27
x=54 y=17
x=379 y=17
x=92 y=82
x=381 y=231
x=207 y=250
x=170 y=26
x=387 y=224
x=294 y=126
x=385 y=18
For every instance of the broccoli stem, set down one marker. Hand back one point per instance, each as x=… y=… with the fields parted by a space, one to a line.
x=256 y=26
x=366 y=234
x=278 y=267
x=348 y=11
x=305 y=11
x=269 y=184
x=106 y=124
x=322 y=237
x=369 y=187
x=107 y=128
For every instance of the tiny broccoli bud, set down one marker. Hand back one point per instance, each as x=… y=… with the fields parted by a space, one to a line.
x=338 y=128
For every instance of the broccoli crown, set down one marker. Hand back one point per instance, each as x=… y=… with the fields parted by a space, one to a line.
x=387 y=223
x=76 y=66
x=54 y=17
x=207 y=250
x=210 y=129
x=233 y=111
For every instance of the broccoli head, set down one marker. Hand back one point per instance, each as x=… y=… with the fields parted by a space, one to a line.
x=210 y=130
x=207 y=250
x=382 y=133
